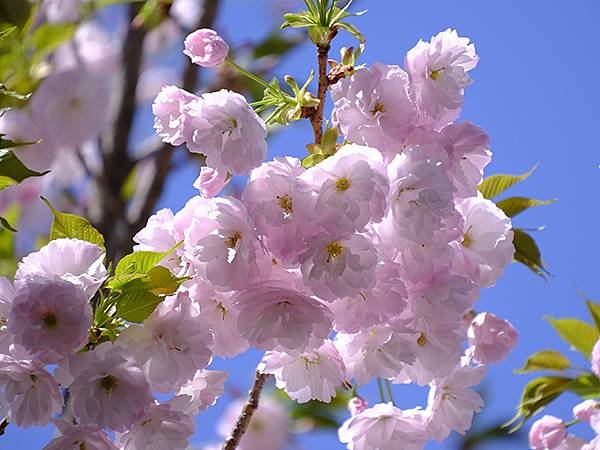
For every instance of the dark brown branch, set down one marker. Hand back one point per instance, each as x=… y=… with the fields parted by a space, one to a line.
x=243 y=420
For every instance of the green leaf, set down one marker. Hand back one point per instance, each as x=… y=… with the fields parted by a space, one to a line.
x=6 y=224
x=48 y=36
x=6 y=30
x=140 y=262
x=516 y=205
x=313 y=160
x=587 y=386
x=580 y=335
x=536 y=395
x=136 y=306
x=545 y=360
x=353 y=30
x=12 y=170
x=67 y=225
x=594 y=311
x=5 y=92
x=496 y=184
x=527 y=252
x=161 y=281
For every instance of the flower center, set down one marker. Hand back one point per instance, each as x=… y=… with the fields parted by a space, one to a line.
x=467 y=240
x=223 y=310
x=232 y=241
x=286 y=204
x=342 y=184
x=308 y=361
x=108 y=383
x=422 y=340
x=435 y=74
x=49 y=320
x=334 y=250
x=377 y=108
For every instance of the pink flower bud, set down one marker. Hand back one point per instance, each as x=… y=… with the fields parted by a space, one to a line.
x=211 y=181
x=356 y=405
x=206 y=48
x=596 y=359
x=491 y=338
x=547 y=433
x=584 y=410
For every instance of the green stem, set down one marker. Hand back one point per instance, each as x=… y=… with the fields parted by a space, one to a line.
x=380 y=387
x=388 y=387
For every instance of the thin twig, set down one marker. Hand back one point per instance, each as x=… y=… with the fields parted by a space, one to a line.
x=243 y=420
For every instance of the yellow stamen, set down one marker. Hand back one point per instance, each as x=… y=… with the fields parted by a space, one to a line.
x=334 y=250
x=342 y=184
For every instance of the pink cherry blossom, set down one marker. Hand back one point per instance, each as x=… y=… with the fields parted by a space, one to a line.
x=28 y=394
x=70 y=107
x=351 y=187
x=77 y=437
x=50 y=317
x=281 y=205
x=356 y=405
x=312 y=375
x=171 y=120
x=206 y=48
x=379 y=351
x=491 y=338
x=159 y=428
x=596 y=359
x=451 y=403
x=384 y=427
x=211 y=181
x=172 y=344
x=586 y=409
x=79 y=262
x=486 y=246
x=269 y=428
x=228 y=131
x=335 y=267
x=274 y=316
x=438 y=74
x=375 y=107
x=107 y=388
x=547 y=433
x=7 y=295
x=200 y=392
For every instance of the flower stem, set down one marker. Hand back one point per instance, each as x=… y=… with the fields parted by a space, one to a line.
x=380 y=388
x=388 y=387
x=243 y=420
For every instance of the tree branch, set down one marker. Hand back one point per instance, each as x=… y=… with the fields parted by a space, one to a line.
x=241 y=425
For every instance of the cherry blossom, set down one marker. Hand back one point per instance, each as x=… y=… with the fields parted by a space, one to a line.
x=206 y=48
x=547 y=433
x=171 y=120
x=200 y=392
x=76 y=437
x=491 y=338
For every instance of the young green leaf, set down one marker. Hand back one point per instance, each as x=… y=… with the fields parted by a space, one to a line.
x=141 y=262
x=67 y=225
x=586 y=386
x=495 y=185
x=516 y=205
x=6 y=224
x=580 y=335
x=136 y=306
x=49 y=36
x=545 y=360
x=594 y=311
x=527 y=252
x=12 y=170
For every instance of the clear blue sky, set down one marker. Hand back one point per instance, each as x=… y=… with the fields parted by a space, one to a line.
x=536 y=93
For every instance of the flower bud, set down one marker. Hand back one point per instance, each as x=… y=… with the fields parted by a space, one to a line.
x=356 y=405
x=547 y=433
x=584 y=410
x=206 y=48
x=491 y=338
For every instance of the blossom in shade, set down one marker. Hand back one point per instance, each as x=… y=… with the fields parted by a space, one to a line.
x=312 y=375
x=451 y=403
x=384 y=427
x=491 y=338
x=486 y=246
x=336 y=267
x=70 y=107
x=220 y=243
x=78 y=262
x=200 y=392
x=379 y=351
x=226 y=129
x=171 y=120
x=211 y=181
x=596 y=359
x=49 y=318
x=107 y=388
x=7 y=295
x=269 y=428
x=274 y=316
x=586 y=409
x=29 y=395
x=221 y=314
x=547 y=433
x=375 y=107
x=77 y=437
x=281 y=205
x=159 y=428
x=438 y=75
x=172 y=344
x=351 y=187
x=206 y=48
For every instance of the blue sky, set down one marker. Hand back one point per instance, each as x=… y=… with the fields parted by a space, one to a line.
x=536 y=94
